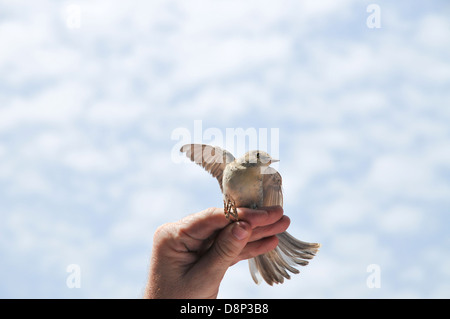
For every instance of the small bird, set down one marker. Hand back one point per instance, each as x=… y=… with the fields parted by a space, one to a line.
x=249 y=182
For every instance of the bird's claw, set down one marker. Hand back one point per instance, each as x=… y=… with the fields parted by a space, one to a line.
x=229 y=208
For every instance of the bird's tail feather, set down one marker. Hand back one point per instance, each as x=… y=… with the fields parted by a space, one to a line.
x=273 y=266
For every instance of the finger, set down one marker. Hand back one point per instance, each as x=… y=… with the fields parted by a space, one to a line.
x=202 y=225
x=227 y=247
x=261 y=217
x=266 y=231
x=257 y=248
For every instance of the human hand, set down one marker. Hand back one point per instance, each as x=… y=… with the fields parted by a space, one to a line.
x=190 y=257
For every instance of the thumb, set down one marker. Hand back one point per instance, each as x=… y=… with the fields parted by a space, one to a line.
x=230 y=242
x=226 y=248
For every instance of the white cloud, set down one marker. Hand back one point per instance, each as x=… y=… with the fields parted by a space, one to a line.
x=56 y=106
x=433 y=31
x=347 y=211
x=212 y=61
x=113 y=114
x=147 y=209
x=402 y=175
x=29 y=181
x=402 y=220
x=87 y=113
x=307 y=161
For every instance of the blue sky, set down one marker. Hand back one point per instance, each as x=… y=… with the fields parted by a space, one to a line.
x=92 y=91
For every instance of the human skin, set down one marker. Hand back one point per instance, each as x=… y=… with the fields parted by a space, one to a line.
x=190 y=256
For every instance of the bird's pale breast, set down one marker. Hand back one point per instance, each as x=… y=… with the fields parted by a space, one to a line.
x=243 y=186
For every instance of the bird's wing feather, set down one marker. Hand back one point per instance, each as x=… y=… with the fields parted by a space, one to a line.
x=212 y=158
x=272 y=189
x=273 y=266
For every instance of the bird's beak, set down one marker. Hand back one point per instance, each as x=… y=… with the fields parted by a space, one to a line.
x=274 y=160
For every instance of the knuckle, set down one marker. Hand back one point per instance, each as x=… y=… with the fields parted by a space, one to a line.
x=162 y=232
x=224 y=251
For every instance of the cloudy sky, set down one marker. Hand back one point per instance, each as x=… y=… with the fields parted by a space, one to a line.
x=94 y=94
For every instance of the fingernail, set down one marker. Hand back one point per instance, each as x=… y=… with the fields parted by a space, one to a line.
x=240 y=230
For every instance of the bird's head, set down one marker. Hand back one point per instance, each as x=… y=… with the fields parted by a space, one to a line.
x=256 y=158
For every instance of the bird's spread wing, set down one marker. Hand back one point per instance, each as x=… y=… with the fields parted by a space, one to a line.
x=272 y=192
x=212 y=158
x=273 y=266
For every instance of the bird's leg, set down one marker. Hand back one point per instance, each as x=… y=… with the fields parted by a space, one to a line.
x=225 y=208
x=229 y=208
x=233 y=211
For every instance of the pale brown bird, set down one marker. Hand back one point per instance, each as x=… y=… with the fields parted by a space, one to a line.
x=248 y=181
